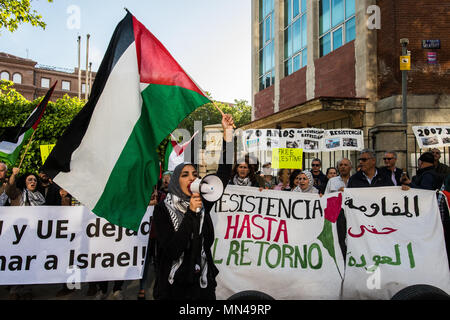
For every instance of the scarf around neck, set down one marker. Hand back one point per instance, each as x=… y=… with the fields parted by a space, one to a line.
x=242 y=182
x=311 y=188
x=31 y=198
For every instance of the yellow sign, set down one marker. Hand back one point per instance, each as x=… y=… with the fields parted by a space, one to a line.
x=45 y=151
x=405 y=62
x=287 y=158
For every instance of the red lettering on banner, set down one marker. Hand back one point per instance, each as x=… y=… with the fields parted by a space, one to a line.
x=282 y=228
x=234 y=227
x=258 y=226
x=246 y=228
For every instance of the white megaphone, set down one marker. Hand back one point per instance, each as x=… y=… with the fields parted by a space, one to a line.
x=210 y=188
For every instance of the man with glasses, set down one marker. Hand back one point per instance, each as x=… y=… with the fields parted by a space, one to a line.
x=369 y=175
x=320 y=179
x=390 y=159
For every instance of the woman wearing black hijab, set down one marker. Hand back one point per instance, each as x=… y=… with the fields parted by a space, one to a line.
x=184 y=266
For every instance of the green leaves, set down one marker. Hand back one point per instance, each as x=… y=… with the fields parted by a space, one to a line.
x=15 y=109
x=15 y=12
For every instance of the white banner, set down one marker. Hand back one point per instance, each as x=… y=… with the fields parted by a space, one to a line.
x=432 y=137
x=68 y=245
x=394 y=240
x=276 y=242
x=308 y=139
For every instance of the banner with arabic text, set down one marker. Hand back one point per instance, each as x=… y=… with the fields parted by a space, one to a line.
x=394 y=240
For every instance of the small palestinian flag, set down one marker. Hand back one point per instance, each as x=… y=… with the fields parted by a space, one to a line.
x=107 y=157
x=175 y=153
x=12 y=139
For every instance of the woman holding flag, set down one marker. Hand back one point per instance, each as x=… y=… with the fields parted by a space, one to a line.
x=184 y=266
x=23 y=192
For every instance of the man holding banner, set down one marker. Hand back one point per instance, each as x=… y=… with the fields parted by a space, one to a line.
x=369 y=175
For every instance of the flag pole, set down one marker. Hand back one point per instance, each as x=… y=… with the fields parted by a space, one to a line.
x=26 y=149
x=220 y=110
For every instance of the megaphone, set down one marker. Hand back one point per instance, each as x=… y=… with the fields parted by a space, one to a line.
x=210 y=187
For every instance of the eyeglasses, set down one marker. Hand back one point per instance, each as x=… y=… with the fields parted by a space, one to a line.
x=315 y=165
x=364 y=159
x=387 y=159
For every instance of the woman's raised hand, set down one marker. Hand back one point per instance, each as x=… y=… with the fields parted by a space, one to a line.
x=227 y=125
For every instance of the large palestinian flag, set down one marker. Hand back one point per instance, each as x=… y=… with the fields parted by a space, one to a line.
x=107 y=157
x=12 y=139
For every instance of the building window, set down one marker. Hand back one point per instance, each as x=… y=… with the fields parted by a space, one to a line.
x=65 y=85
x=336 y=24
x=295 y=35
x=83 y=88
x=266 y=44
x=17 y=78
x=5 y=76
x=45 y=83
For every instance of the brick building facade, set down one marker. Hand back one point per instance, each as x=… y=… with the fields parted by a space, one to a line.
x=350 y=74
x=33 y=80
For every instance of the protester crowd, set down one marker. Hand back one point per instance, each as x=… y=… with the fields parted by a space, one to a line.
x=34 y=190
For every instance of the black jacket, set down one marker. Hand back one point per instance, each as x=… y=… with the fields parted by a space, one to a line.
x=358 y=180
x=398 y=174
x=171 y=244
x=426 y=178
x=51 y=195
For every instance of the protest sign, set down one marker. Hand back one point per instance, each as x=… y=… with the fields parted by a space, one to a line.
x=394 y=240
x=67 y=245
x=287 y=158
x=432 y=136
x=308 y=139
x=276 y=242
x=343 y=139
x=45 y=151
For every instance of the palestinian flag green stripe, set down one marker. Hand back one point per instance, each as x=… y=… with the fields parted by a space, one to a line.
x=11 y=153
